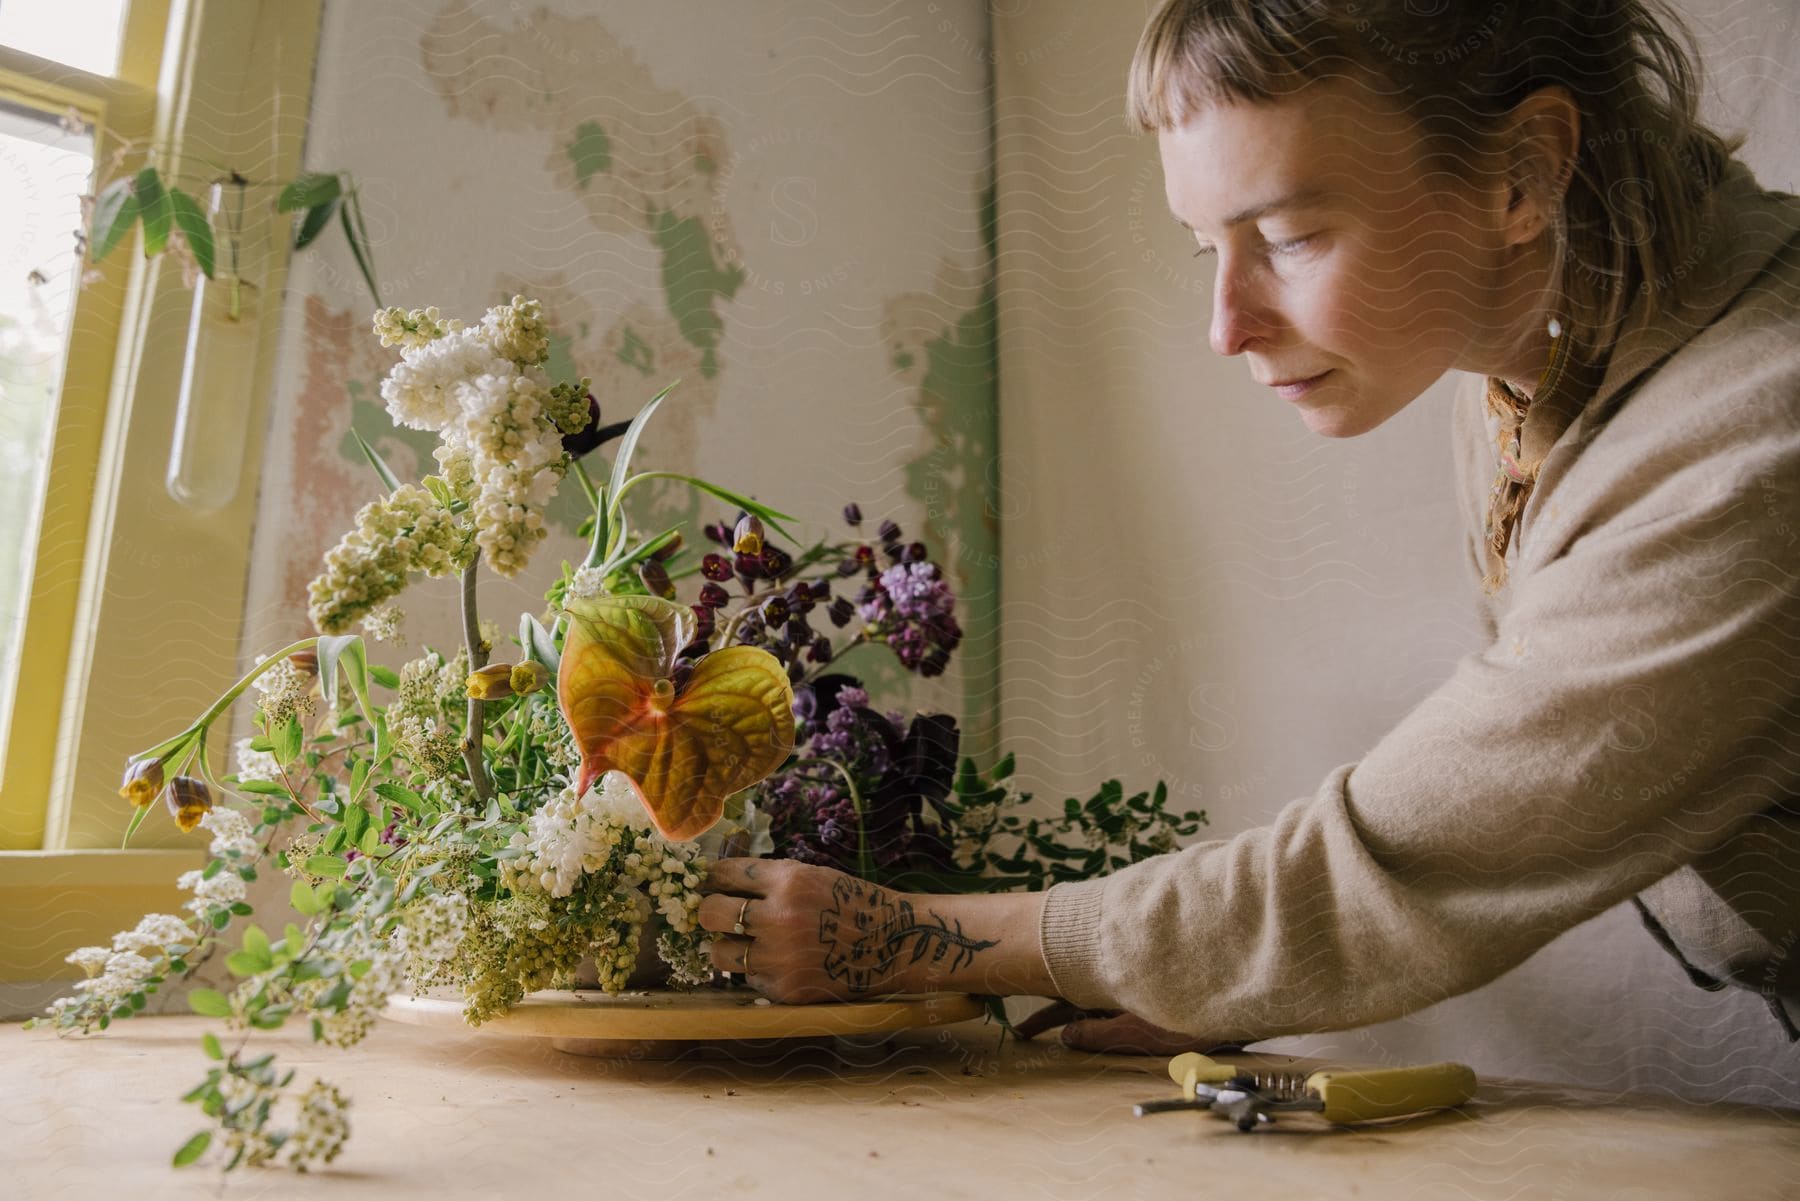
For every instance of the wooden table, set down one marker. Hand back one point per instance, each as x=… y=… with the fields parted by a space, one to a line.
x=940 y=1113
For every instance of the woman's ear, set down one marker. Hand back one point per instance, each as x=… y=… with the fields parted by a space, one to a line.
x=1544 y=134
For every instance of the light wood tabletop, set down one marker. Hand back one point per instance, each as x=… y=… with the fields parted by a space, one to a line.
x=930 y=1113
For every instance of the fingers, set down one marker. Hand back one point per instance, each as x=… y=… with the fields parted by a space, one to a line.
x=721 y=912
x=1128 y=1034
x=1040 y=1020
x=747 y=877
x=730 y=954
x=1055 y=1014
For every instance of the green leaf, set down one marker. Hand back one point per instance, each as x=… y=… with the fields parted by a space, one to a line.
x=326 y=865
x=358 y=247
x=356 y=821
x=114 y=213
x=370 y=842
x=388 y=478
x=772 y=517
x=256 y=944
x=621 y=460
x=262 y=788
x=242 y=963
x=359 y=775
x=210 y=1002
x=153 y=207
x=309 y=191
x=348 y=649
x=193 y=1149
x=644 y=550
x=301 y=898
x=628 y=446
x=316 y=219
x=387 y=677
x=538 y=644
x=209 y=1042
x=288 y=739
x=191 y=220
x=387 y=790
x=137 y=819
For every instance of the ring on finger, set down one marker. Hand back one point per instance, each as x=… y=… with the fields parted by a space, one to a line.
x=745 y=969
x=738 y=926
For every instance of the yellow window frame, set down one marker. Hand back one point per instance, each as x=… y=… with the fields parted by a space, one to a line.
x=135 y=605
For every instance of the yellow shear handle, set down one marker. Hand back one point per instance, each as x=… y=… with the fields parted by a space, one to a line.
x=1363 y=1096
x=1191 y=1067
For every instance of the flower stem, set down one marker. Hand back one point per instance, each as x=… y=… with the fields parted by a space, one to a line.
x=471 y=747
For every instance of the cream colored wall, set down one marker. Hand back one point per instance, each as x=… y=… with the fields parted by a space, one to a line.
x=832 y=161
x=1199 y=590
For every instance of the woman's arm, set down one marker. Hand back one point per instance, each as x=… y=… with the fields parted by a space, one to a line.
x=814 y=934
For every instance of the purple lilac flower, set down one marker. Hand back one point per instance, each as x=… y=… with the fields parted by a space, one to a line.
x=853 y=697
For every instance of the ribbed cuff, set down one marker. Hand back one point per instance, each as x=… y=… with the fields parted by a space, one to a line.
x=1069 y=929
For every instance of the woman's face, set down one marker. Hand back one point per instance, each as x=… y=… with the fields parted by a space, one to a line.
x=1343 y=258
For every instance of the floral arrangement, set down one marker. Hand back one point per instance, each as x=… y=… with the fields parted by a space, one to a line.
x=492 y=826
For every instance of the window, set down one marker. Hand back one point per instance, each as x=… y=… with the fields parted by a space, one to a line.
x=45 y=166
x=83 y=34
x=76 y=84
x=120 y=607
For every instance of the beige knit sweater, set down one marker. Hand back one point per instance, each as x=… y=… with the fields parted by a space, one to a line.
x=1631 y=728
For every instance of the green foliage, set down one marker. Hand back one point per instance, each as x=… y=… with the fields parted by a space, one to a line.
x=1089 y=838
x=115 y=212
x=193 y=1149
x=144 y=199
x=154 y=210
x=191 y=220
x=209 y=1003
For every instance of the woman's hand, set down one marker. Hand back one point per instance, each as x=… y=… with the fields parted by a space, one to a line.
x=804 y=933
x=813 y=934
x=1112 y=1031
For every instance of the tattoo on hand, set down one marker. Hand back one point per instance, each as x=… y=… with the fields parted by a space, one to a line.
x=866 y=929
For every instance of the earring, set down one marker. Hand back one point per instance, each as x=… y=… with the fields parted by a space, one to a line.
x=1555 y=327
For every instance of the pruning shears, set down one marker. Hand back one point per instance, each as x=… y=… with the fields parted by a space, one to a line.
x=1250 y=1098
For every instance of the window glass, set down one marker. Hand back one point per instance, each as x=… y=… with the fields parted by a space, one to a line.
x=45 y=168
x=80 y=33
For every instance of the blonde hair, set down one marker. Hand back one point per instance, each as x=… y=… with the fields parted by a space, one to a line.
x=1632 y=219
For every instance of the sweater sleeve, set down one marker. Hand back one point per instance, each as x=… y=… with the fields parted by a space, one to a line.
x=1626 y=716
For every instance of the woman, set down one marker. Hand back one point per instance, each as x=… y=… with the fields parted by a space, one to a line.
x=1522 y=193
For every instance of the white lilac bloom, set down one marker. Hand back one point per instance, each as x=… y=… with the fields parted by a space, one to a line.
x=587 y=582
x=430 y=933
x=420 y=391
x=485 y=392
x=566 y=838
x=222 y=889
x=253 y=764
x=368 y=996
x=123 y=974
x=382 y=623
x=322 y=1127
x=409 y=531
x=155 y=932
x=613 y=796
x=286 y=692
x=89 y=959
x=231 y=831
